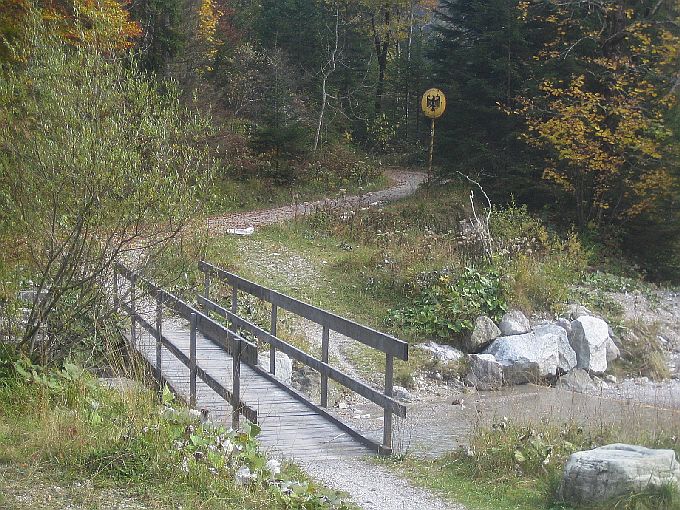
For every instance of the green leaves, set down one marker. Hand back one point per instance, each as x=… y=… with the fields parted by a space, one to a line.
x=447 y=306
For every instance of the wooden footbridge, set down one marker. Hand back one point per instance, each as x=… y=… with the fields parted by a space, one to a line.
x=203 y=357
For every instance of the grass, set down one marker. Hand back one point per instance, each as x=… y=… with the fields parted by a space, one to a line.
x=405 y=268
x=65 y=437
x=511 y=467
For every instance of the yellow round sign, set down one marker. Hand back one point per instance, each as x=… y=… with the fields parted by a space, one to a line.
x=433 y=103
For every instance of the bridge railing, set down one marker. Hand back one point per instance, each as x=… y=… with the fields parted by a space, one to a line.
x=392 y=347
x=241 y=350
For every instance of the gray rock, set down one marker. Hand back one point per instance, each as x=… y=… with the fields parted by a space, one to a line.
x=564 y=324
x=574 y=311
x=514 y=323
x=589 y=336
x=401 y=393
x=485 y=372
x=613 y=351
x=577 y=380
x=484 y=333
x=283 y=365
x=599 y=475
x=526 y=358
x=566 y=355
x=444 y=353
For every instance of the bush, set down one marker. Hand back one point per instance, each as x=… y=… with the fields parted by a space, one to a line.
x=446 y=306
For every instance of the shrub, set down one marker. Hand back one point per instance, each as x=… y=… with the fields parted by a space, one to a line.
x=447 y=306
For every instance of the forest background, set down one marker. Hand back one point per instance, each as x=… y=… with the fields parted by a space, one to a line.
x=568 y=107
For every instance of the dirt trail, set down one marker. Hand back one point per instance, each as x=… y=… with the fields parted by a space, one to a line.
x=402 y=184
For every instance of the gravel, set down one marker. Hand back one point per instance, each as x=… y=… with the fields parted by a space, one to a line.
x=403 y=184
x=373 y=487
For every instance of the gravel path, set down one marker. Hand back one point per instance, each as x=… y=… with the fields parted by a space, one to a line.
x=374 y=487
x=402 y=184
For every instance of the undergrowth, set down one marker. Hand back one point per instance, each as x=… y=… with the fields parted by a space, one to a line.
x=509 y=466
x=67 y=423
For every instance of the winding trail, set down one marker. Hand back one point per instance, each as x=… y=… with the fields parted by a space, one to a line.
x=371 y=486
x=402 y=184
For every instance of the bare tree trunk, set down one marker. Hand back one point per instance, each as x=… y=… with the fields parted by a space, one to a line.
x=326 y=71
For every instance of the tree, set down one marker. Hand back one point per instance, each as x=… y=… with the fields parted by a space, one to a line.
x=602 y=105
x=95 y=164
x=481 y=56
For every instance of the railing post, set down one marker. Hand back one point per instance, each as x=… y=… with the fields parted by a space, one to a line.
x=324 y=358
x=206 y=285
x=192 y=362
x=159 y=336
x=133 y=308
x=236 y=384
x=272 y=349
x=386 y=448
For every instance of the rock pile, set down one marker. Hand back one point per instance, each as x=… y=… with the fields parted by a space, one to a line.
x=515 y=353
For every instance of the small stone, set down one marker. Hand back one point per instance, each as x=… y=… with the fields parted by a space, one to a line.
x=577 y=381
x=283 y=366
x=610 y=379
x=484 y=333
x=514 y=323
x=441 y=352
x=401 y=393
x=574 y=311
x=613 y=352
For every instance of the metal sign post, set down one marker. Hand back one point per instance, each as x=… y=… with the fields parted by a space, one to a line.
x=433 y=104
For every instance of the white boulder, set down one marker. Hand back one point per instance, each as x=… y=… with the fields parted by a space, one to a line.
x=566 y=355
x=526 y=358
x=283 y=366
x=485 y=372
x=598 y=475
x=589 y=338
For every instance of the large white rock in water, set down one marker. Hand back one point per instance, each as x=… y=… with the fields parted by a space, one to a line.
x=484 y=333
x=566 y=355
x=598 y=475
x=282 y=364
x=514 y=323
x=589 y=338
x=526 y=358
x=485 y=372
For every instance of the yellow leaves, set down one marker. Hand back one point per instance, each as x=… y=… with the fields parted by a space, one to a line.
x=208 y=18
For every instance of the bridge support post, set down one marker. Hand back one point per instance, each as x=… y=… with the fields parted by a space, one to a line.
x=386 y=447
x=133 y=308
x=272 y=349
x=236 y=384
x=192 y=362
x=324 y=359
x=159 y=339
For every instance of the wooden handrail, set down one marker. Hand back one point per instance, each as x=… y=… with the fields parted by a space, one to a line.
x=368 y=336
x=388 y=344
x=240 y=349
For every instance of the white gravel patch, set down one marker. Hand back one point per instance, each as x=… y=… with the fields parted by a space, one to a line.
x=373 y=487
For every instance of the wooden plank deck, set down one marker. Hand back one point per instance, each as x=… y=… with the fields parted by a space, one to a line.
x=290 y=428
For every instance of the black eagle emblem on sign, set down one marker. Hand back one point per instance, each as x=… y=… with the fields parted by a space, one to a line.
x=433 y=102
